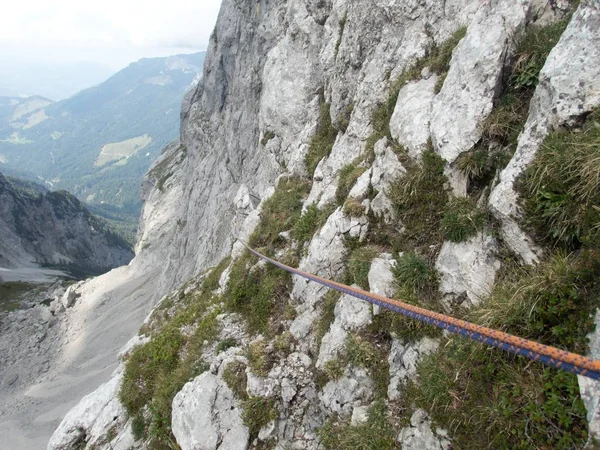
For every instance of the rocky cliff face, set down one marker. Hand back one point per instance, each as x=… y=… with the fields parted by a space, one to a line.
x=54 y=228
x=367 y=142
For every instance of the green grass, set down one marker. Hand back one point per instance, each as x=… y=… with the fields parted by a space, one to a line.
x=259 y=294
x=413 y=273
x=347 y=177
x=155 y=371
x=267 y=136
x=258 y=412
x=487 y=398
x=353 y=208
x=359 y=264
x=234 y=376
x=259 y=359
x=280 y=213
x=375 y=433
x=560 y=194
x=419 y=199
x=11 y=293
x=462 y=220
x=310 y=221
x=322 y=142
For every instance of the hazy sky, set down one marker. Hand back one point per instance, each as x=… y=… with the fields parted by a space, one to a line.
x=113 y=32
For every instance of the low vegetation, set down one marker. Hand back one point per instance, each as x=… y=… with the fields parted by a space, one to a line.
x=462 y=220
x=322 y=141
x=310 y=221
x=498 y=400
x=375 y=433
x=560 y=189
x=359 y=264
x=258 y=412
x=420 y=199
x=347 y=177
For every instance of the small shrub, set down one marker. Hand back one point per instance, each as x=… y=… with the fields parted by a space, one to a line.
x=138 y=426
x=258 y=412
x=333 y=369
x=359 y=264
x=322 y=142
x=267 y=136
x=234 y=376
x=413 y=273
x=347 y=176
x=462 y=220
x=226 y=344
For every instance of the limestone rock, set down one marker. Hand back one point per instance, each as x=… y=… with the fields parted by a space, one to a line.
x=420 y=436
x=206 y=416
x=403 y=360
x=350 y=314
x=468 y=268
x=91 y=419
x=410 y=122
x=568 y=88
x=474 y=77
x=354 y=388
x=381 y=278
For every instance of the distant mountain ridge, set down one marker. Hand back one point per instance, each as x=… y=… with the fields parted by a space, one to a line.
x=43 y=228
x=99 y=143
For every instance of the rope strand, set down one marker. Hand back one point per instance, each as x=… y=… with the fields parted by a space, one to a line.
x=551 y=356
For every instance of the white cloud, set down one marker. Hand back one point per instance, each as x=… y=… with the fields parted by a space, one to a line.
x=103 y=24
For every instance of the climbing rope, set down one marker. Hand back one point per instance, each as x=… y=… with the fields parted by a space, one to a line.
x=554 y=357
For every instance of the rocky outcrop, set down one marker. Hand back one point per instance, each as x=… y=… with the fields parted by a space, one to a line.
x=420 y=435
x=468 y=269
x=54 y=228
x=206 y=416
x=568 y=89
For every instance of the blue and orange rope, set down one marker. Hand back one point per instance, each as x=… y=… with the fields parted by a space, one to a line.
x=554 y=357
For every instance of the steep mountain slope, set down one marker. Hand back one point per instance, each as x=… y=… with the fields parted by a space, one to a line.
x=54 y=229
x=392 y=145
x=99 y=143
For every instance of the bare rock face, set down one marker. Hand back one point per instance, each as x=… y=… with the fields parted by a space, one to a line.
x=569 y=87
x=421 y=436
x=403 y=360
x=475 y=77
x=353 y=389
x=350 y=314
x=206 y=416
x=468 y=269
x=91 y=418
x=412 y=115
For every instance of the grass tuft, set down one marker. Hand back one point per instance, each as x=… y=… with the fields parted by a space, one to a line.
x=420 y=199
x=462 y=220
x=322 y=142
x=560 y=189
x=258 y=412
x=359 y=264
x=347 y=177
